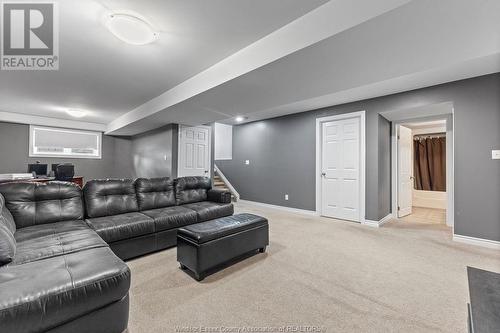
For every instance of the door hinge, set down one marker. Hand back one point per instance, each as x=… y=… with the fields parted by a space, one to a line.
x=399 y=137
x=399 y=208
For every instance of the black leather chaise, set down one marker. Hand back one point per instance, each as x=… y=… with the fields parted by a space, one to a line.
x=61 y=276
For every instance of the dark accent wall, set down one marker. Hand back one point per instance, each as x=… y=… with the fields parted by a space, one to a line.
x=153 y=153
x=14 y=144
x=282 y=154
x=142 y=155
x=175 y=150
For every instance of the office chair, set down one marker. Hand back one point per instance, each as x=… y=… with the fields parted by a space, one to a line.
x=65 y=172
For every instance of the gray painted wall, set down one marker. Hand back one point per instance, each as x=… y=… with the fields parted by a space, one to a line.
x=14 y=142
x=282 y=154
x=122 y=157
x=175 y=149
x=282 y=160
x=148 y=152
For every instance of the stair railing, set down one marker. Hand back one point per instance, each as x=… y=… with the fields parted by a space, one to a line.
x=228 y=184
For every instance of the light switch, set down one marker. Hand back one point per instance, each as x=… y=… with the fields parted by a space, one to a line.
x=495 y=154
x=247 y=162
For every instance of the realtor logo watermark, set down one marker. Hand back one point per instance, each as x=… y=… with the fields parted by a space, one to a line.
x=30 y=36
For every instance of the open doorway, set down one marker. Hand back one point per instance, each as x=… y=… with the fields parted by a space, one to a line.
x=421 y=118
x=422 y=171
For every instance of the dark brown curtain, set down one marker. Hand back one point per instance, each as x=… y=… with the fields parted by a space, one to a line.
x=430 y=163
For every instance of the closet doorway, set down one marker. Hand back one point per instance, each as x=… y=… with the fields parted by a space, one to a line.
x=422 y=171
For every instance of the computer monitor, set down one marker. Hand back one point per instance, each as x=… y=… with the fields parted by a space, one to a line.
x=39 y=169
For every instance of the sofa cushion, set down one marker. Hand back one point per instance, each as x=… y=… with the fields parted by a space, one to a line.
x=105 y=197
x=7 y=245
x=43 y=294
x=40 y=203
x=191 y=189
x=207 y=210
x=7 y=229
x=49 y=240
x=171 y=217
x=6 y=217
x=123 y=226
x=154 y=193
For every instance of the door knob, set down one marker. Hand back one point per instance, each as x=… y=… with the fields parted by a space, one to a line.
x=323 y=174
x=206 y=171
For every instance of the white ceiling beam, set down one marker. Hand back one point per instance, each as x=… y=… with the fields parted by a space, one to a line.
x=21 y=118
x=327 y=20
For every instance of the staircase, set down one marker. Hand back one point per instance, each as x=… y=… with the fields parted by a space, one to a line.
x=220 y=181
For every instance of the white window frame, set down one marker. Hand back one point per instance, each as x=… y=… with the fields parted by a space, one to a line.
x=34 y=153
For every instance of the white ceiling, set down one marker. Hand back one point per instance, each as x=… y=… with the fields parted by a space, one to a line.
x=108 y=77
x=220 y=61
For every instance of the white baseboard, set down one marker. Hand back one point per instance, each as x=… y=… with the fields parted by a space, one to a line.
x=371 y=223
x=288 y=209
x=377 y=224
x=386 y=219
x=477 y=241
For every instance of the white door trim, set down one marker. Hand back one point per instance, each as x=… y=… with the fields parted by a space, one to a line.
x=362 y=153
x=209 y=148
x=404 y=208
x=450 y=153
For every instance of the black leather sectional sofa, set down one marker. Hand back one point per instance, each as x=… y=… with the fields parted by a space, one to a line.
x=61 y=247
x=141 y=216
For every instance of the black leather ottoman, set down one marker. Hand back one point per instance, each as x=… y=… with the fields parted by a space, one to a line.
x=204 y=246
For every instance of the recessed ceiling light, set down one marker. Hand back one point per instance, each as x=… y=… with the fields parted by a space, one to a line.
x=76 y=113
x=239 y=119
x=131 y=28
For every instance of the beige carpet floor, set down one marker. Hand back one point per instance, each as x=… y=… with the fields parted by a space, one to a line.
x=331 y=275
x=426 y=215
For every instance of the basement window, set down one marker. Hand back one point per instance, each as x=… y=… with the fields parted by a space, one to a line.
x=64 y=142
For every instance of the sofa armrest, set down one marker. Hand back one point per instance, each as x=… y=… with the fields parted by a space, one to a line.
x=219 y=195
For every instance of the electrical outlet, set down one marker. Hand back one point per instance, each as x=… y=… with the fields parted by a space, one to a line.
x=286 y=196
x=495 y=154
x=247 y=162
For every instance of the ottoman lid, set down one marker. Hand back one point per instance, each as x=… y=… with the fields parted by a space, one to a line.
x=224 y=226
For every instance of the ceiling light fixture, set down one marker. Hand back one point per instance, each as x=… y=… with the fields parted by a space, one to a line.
x=76 y=113
x=239 y=119
x=131 y=28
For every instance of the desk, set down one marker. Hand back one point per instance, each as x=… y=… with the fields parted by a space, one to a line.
x=78 y=180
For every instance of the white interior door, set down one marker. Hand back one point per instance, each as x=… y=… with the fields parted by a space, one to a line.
x=405 y=171
x=194 y=151
x=340 y=165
